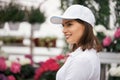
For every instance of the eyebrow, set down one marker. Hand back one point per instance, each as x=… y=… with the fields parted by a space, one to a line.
x=67 y=22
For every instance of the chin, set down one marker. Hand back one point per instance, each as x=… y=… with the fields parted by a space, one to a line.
x=70 y=42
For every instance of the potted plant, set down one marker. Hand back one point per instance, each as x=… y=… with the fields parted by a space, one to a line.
x=36 y=17
x=14 y=15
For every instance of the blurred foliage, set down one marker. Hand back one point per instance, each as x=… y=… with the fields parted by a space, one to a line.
x=113 y=78
x=45 y=42
x=13 y=12
x=49 y=75
x=27 y=71
x=39 y=42
x=1 y=14
x=100 y=36
x=36 y=16
x=117 y=12
x=8 y=40
x=102 y=12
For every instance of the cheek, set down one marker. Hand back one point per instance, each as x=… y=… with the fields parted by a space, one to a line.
x=77 y=33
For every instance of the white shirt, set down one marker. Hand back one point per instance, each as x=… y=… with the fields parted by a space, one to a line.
x=80 y=65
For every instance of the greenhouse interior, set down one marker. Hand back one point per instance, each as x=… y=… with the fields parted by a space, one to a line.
x=32 y=48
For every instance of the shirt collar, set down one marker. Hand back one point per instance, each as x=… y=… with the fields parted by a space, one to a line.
x=80 y=51
x=76 y=52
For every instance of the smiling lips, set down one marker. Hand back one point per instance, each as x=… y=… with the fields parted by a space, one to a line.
x=67 y=35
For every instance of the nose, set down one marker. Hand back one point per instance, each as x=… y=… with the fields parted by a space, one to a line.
x=64 y=29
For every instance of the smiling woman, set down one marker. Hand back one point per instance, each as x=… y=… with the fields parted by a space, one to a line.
x=83 y=62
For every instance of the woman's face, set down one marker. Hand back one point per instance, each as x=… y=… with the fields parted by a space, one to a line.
x=73 y=31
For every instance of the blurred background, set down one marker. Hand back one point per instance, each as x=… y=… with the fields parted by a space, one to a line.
x=32 y=48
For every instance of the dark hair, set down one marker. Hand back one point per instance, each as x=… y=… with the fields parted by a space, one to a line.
x=88 y=39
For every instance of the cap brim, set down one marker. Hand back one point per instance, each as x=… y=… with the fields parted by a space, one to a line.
x=58 y=19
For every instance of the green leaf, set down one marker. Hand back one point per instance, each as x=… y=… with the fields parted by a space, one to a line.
x=36 y=16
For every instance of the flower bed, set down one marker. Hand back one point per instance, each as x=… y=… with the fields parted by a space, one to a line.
x=48 y=69
x=24 y=69
x=15 y=70
x=110 y=39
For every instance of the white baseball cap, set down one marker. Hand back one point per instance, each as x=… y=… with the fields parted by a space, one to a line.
x=75 y=12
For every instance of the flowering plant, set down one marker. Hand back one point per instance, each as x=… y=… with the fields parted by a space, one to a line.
x=110 y=39
x=22 y=69
x=48 y=69
x=15 y=70
x=114 y=73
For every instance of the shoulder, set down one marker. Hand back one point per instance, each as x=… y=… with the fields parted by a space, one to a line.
x=81 y=60
x=86 y=56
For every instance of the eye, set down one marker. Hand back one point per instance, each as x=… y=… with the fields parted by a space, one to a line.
x=68 y=24
x=62 y=25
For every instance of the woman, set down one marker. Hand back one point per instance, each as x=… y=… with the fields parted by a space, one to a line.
x=83 y=62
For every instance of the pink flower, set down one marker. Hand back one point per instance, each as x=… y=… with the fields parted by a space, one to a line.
x=2 y=58
x=3 y=65
x=59 y=57
x=38 y=73
x=49 y=65
x=15 y=67
x=11 y=77
x=117 y=33
x=49 y=61
x=29 y=57
x=107 y=41
x=54 y=66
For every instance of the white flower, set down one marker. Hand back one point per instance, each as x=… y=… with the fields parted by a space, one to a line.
x=8 y=63
x=110 y=33
x=115 y=71
x=25 y=61
x=118 y=71
x=100 y=28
